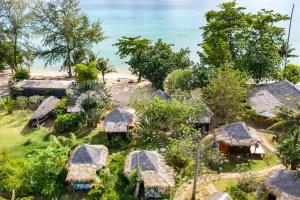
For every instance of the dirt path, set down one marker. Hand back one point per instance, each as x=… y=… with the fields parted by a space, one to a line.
x=265 y=143
x=4 y=79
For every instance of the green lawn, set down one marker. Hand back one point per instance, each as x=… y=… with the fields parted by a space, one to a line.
x=17 y=138
x=254 y=164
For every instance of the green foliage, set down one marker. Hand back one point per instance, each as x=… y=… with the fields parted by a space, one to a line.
x=133 y=47
x=13 y=174
x=152 y=61
x=289 y=149
x=22 y=102
x=85 y=72
x=35 y=101
x=226 y=94
x=200 y=75
x=249 y=41
x=67 y=34
x=6 y=104
x=93 y=108
x=67 y=122
x=291 y=72
x=21 y=74
x=247 y=183
x=104 y=67
x=162 y=115
x=180 y=153
x=46 y=170
x=61 y=107
x=180 y=79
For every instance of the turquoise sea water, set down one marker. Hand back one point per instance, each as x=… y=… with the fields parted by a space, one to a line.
x=175 y=21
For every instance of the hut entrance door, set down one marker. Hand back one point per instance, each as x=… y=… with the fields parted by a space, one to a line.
x=271 y=197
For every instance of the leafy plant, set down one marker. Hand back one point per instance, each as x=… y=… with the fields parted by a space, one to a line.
x=22 y=102
x=21 y=74
x=291 y=72
x=67 y=122
x=85 y=72
x=7 y=104
x=180 y=79
x=35 y=101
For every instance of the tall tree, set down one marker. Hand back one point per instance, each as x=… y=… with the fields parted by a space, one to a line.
x=16 y=16
x=249 y=41
x=67 y=33
x=261 y=60
x=226 y=94
x=129 y=47
x=223 y=35
x=289 y=119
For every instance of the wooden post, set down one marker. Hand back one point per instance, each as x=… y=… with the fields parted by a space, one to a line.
x=288 y=40
x=196 y=173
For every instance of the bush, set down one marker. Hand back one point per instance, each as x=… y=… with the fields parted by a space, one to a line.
x=86 y=72
x=291 y=73
x=6 y=104
x=200 y=76
x=60 y=108
x=35 y=101
x=22 y=102
x=247 y=183
x=180 y=79
x=67 y=122
x=21 y=74
x=179 y=153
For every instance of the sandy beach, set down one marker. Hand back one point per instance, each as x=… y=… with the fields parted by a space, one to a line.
x=122 y=84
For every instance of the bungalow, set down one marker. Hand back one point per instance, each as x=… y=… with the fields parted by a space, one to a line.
x=57 y=88
x=205 y=121
x=119 y=121
x=157 y=176
x=161 y=94
x=283 y=185
x=266 y=98
x=84 y=162
x=44 y=111
x=238 y=138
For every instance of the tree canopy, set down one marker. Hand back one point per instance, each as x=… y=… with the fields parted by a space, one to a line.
x=67 y=34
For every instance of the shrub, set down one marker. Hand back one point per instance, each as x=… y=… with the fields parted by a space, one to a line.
x=86 y=72
x=22 y=102
x=35 y=101
x=21 y=74
x=200 y=76
x=180 y=79
x=60 y=108
x=291 y=73
x=67 y=122
x=179 y=153
x=247 y=183
x=7 y=104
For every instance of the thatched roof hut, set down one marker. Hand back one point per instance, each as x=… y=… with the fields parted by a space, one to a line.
x=43 y=111
x=57 y=88
x=119 y=120
x=265 y=98
x=238 y=138
x=156 y=174
x=85 y=161
x=161 y=94
x=283 y=185
x=220 y=196
x=237 y=134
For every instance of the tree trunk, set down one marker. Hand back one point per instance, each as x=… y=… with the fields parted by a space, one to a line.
x=294 y=162
x=196 y=173
x=13 y=195
x=137 y=189
x=15 y=52
x=69 y=63
x=103 y=79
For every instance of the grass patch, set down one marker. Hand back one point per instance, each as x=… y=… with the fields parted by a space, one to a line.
x=19 y=139
x=254 y=164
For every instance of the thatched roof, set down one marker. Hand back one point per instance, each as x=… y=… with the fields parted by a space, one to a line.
x=45 y=84
x=155 y=172
x=208 y=114
x=265 y=98
x=118 y=120
x=161 y=94
x=284 y=184
x=237 y=134
x=85 y=161
x=220 y=196
x=47 y=106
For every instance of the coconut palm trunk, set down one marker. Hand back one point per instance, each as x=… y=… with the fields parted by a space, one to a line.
x=196 y=169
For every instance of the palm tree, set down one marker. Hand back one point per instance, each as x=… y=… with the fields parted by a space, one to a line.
x=290 y=119
x=286 y=51
x=104 y=67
